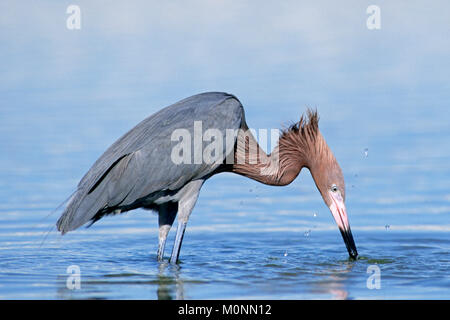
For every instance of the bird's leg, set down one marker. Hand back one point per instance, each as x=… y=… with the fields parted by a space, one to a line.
x=188 y=198
x=167 y=213
x=163 y=231
x=178 y=240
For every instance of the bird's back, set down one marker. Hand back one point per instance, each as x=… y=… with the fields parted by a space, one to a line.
x=139 y=163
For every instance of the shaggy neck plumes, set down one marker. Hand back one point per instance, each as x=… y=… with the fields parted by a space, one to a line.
x=301 y=145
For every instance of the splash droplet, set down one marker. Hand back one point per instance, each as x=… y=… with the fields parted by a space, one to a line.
x=315 y=215
x=366 y=152
x=387 y=227
x=285 y=254
x=307 y=233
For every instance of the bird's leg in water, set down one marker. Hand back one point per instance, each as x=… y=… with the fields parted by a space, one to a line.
x=178 y=240
x=188 y=198
x=167 y=213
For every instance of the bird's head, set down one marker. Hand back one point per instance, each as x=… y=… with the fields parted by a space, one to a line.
x=327 y=175
x=326 y=172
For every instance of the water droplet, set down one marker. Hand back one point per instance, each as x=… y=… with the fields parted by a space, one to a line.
x=387 y=227
x=285 y=254
x=366 y=152
x=315 y=215
x=307 y=233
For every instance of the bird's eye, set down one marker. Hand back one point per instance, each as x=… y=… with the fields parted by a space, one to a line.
x=334 y=188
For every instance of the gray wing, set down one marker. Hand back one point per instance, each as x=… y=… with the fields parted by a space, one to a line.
x=139 y=163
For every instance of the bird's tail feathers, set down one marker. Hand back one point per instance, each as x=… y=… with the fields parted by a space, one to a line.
x=79 y=210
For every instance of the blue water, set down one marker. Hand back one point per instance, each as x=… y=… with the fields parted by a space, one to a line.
x=383 y=98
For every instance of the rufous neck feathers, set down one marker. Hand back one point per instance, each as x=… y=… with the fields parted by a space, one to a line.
x=301 y=145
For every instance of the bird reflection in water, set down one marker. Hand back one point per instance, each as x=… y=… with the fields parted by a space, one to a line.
x=334 y=284
x=170 y=284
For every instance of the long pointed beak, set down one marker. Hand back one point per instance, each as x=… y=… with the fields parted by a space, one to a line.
x=339 y=213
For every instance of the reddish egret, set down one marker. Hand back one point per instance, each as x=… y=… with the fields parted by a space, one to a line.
x=139 y=171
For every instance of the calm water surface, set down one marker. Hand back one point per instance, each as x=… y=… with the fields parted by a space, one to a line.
x=216 y=265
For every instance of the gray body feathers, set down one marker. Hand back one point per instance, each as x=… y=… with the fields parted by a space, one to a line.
x=137 y=170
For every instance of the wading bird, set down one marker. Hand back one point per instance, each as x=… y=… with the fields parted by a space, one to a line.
x=138 y=170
